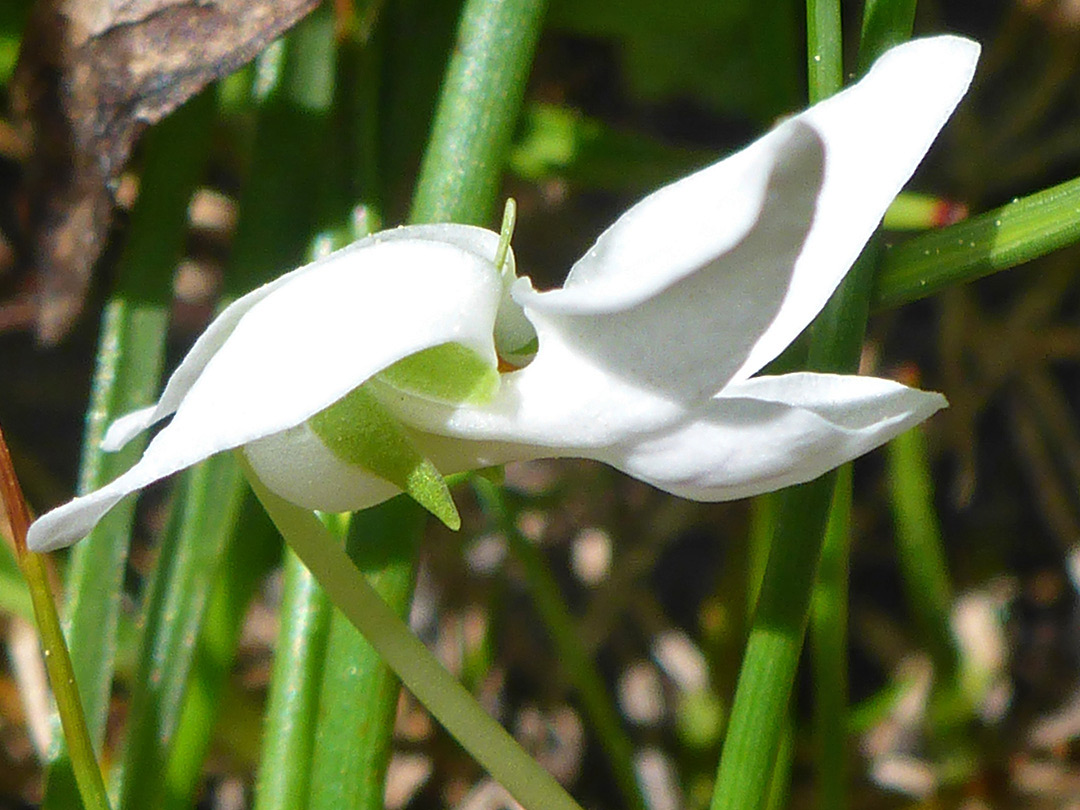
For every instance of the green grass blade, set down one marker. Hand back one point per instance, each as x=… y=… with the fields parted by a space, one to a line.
x=250 y=555
x=1023 y=230
x=130 y=357
x=285 y=766
x=191 y=552
x=885 y=23
x=921 y=548
x=780 y=787
x=481 y=99
x=829 y=651
x=574 y=662
x=352 y=752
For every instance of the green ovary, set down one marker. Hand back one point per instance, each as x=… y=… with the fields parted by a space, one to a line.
x=360 y=431
x=449 y=372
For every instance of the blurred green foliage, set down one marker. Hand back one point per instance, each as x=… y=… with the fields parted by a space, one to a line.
x=737 y=56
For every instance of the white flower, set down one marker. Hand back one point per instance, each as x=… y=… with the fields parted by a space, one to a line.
x=643 y=360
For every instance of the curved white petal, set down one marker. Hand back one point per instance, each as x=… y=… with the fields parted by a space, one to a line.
x=303 y=346
x=772 y=432
x=876 y=133
x=314 y=477
x=478 y=241
x=711 y=277
x=560 y=402
x=128 y=426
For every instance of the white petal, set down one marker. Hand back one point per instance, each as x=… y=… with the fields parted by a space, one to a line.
x=478 y=241
x=876 y=133
x=301 y=347
x=772 y=432
x=314 y=477
x=559 y=404
x=710 y=278
x=127 y=427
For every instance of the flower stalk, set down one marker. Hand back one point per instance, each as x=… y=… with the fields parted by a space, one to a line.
x=447 y=700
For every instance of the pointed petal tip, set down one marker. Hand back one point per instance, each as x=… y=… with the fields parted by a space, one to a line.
x=127 y=427
x=942 y=65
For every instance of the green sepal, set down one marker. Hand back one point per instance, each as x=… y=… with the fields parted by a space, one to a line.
x=448 y=372
x=360 y=431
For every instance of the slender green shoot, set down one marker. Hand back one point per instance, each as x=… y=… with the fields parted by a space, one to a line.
x=54 y=648
x=418 y=669
x=1023 y=230
x=829 y=651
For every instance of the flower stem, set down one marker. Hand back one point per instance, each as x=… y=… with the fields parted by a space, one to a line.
x=418 y=669
x=358 y=694
x=57 y=661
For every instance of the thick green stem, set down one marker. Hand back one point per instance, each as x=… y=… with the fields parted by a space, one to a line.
x=824 y=49
x=459 y=182
x=480 y=102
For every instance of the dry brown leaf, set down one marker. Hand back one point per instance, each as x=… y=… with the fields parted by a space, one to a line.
x=92 y=74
